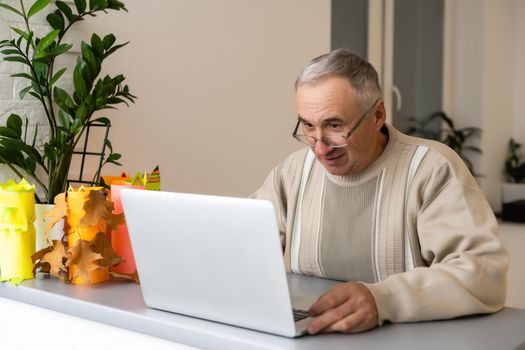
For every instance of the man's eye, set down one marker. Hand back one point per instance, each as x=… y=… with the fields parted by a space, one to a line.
x=307 y=125
x=334 y=126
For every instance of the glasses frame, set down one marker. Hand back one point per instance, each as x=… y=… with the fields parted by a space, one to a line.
x=323 y=138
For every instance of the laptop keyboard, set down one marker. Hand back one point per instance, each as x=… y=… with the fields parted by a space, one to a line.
x=299 y=315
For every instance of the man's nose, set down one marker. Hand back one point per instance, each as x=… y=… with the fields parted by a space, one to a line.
x=321 y=148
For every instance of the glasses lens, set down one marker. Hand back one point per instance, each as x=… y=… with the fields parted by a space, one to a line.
x=334 y=141
x=308 y=140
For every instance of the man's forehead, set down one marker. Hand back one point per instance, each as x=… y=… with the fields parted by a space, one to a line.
x=323 y=119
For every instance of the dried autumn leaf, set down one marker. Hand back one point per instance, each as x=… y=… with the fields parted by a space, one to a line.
x=95 y=207
x=51 y=260
x=99 y=207
x=57 y=213
x=38 y=255
x=84 y=258
x=38 y=264
x=56 y=259
x=102 y=245
x=114 y=220
x=126 y=276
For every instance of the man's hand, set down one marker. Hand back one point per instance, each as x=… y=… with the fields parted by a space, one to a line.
x=346 y=308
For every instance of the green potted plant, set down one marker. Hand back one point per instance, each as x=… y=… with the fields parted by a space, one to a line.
x=68 y=114
x=513 y=191
x=440 y=127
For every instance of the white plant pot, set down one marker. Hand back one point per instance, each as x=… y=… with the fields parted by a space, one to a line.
x=511 y=192
x=56 y=232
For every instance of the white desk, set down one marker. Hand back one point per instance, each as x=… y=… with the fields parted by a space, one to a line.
x=120 y=304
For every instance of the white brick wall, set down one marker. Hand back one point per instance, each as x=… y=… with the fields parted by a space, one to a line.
x=30 y=107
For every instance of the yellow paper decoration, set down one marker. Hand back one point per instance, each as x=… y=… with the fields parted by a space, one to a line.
x=151 y=180
x=17 y=231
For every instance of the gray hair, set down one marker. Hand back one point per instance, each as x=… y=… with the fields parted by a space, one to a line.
x=361 y=75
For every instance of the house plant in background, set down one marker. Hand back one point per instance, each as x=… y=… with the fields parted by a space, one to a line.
x=440 y=127
x=69 y=114
x=513 y=191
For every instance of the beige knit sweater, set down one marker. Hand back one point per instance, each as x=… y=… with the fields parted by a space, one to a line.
x=414 y=228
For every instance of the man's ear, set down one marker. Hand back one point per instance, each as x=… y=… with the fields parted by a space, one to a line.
x=380 y=115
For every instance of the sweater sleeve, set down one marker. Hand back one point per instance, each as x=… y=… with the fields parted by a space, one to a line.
x=467 y=264
x=273 y=190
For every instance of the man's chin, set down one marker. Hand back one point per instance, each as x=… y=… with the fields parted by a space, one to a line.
x=336 y=170
x=338 y=166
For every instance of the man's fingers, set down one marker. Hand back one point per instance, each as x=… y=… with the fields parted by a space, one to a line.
x=352 y=323
x=347 y=308
x=329 y=318
x=330 y=300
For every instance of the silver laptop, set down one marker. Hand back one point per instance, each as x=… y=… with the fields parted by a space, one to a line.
x=212 y=257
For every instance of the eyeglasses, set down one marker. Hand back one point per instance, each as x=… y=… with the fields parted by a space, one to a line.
x=332 y=141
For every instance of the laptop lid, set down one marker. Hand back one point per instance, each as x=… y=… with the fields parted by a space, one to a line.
x=212 y=257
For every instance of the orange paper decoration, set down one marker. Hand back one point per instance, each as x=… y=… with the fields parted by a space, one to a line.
x=120 y=236
x=76 y=198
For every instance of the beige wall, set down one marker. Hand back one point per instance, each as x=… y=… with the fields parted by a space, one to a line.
x=215 y=87
x=484 y=75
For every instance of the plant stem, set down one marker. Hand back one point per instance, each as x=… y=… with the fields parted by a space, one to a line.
x=58 y=179
x=50 y=118
x=26 y=19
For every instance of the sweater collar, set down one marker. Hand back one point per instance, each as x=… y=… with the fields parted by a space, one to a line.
x=373 y=170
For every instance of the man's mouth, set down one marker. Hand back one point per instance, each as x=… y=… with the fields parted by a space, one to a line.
x=334 y=157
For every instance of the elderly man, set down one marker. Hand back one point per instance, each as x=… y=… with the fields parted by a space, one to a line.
x=399 y=219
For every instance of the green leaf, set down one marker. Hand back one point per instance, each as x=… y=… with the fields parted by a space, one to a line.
x=38 y=6
x=115 y=48
x=113 y=157
x=22 y=75
x=57 y=76
x=9 y=133
x=35 y=95
x=30 y=165
x=109 y=145
x=81 y=6
x=24 y=92
x=90 y=59
x=86 y=75
x=56 y=21
x=50 y=153
x=14 y=122
x=47 y=40
x=10 y=52
x=109 y=40
x=81 y=113
x=41 y=70
x=116 y=5
x=64 y=119
x=102 y=120
x=78 y=80
x=16 y=59
x=20 y=32
x=97 y=45
x=29 y=42
x=76 y=126
x=59 y=50
x=63 y=100
x=66 y=10
x=12 y=9
x=98 y=4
